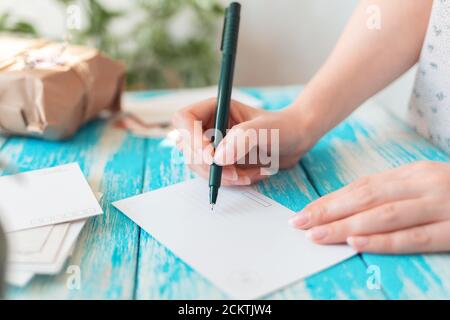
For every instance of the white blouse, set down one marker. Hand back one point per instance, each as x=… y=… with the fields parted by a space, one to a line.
x=429 y=108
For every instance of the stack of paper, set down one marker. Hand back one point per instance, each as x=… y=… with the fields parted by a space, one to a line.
x=43 y=212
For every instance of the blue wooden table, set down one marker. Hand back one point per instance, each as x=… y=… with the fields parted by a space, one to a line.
x=118 y=260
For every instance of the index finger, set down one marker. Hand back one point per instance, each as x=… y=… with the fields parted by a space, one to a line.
x=201 y=111
x=190 y=122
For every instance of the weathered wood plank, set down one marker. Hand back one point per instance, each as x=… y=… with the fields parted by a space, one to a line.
x=161 y=275
x=107 y=248
x=3 y=139
x=3 y=162
x=106 y=251
x=370 y=141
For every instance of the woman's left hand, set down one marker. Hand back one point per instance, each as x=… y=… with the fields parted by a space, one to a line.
x=403 y=210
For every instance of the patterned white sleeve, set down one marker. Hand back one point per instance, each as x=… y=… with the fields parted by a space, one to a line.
x=429 y=107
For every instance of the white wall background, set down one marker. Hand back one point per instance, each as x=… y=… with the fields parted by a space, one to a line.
x=281 y=41
x=285 y=41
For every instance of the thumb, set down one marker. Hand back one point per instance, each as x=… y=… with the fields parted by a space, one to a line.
x=238 y=142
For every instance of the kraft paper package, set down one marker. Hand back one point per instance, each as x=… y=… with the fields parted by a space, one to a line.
x=50 y=89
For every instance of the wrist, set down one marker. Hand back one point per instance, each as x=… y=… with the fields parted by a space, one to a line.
x=304 y=122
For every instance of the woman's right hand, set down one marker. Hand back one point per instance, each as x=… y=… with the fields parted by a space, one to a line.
x=258 y=143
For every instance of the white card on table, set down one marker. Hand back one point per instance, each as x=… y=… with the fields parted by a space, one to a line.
x=246 y=246
x=64 y=252
x=47 y=196
x=18 y=278
x=30 y=240
x=49 y=250
x=38 y=244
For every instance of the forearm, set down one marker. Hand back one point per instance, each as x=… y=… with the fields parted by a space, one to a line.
x=363 y=62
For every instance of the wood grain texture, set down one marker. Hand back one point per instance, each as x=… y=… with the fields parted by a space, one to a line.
x=106 y=250
x=120 y=261
x=161 y=275
x=372 y=140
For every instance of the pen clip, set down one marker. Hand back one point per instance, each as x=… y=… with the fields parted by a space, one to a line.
x=223 y=29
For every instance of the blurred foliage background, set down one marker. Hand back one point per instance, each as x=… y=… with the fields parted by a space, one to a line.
x=156 y=57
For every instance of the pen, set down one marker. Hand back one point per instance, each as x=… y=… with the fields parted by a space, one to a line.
x=229 y=49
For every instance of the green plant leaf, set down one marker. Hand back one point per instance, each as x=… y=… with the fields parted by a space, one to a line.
x=155 y=57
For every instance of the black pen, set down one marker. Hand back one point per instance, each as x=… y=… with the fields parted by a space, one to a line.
x=229 y=49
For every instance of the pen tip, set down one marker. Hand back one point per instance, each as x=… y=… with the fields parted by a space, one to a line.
x=212 y=207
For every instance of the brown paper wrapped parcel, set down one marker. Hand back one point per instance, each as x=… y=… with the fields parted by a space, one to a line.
x=50 y=89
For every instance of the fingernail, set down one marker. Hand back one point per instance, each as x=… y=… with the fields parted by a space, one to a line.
x=219 y=155
x=207 y=157
x=357 y=242
x=300 y=219
x=231 y=174
x=317 y=233
x=235 y=175
x=244 y=180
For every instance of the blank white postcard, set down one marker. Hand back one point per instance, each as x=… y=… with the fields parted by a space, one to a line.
x=246 y=246
x=47 y=196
